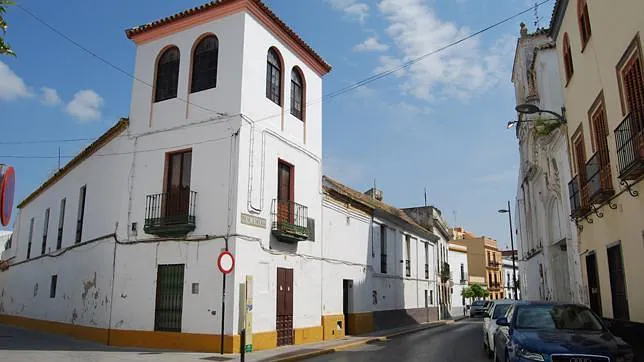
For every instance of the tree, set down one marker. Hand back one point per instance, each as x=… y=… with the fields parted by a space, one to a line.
x=479 y=292
x=467 y=292
x=4 y=47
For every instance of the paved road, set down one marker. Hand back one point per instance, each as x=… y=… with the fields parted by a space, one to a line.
x=458 y=342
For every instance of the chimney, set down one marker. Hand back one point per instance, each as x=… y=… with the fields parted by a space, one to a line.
x=375 y=193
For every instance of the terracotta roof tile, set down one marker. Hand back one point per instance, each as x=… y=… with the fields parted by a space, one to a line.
x=331 y=184
x=110 y=134
x=215 y=3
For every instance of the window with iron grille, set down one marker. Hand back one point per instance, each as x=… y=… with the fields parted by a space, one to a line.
x=599 y=124
x=297 y=93
x=31 y=235
x=167 y=75
x=169 y=298
x=383 y=249
x=204 y=64
x=584 y=22
x=274 y=76
x=426 y=260
x=408 y=255
x=45 y=227
x=61 y=223
x=81 y=214
x=567 y=58
x=462 y=272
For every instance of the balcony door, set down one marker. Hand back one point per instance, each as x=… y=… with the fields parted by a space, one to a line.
x=285 y=192
x=177 y=197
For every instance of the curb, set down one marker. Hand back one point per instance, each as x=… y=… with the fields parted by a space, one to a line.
x=341 y=347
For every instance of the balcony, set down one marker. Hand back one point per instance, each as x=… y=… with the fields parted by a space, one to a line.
x=407 y=268
x=289 y=221
x=170 y=214
x=629 y=139
x=578 y=198
x=599 y=185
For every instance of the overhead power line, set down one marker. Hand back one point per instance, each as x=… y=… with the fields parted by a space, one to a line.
x=324 y=98
x=103 y=60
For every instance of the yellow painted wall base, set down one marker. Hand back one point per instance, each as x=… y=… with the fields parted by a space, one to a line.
x=195 y=342
x=360 y=323
x=307 y=335
x=333 y=326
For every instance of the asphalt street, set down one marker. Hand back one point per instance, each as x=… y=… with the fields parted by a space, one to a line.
x=458 y=342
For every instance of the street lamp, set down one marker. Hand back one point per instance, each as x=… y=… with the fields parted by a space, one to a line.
x=532 y=109
x=514 y=271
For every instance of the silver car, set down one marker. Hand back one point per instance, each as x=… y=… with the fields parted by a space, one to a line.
x=496 y=310
x=479 y=308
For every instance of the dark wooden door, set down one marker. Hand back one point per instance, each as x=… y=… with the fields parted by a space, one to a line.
x=285 y=192
x=169 y=299
x=346 y=303
x=594 y=293
x=633 y=80
x=178 y=185
x=617 y=283
x=284 y=311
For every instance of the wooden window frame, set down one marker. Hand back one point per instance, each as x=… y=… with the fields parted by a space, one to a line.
x=155 y=96
x=583 y=20
x=632 y=53
x=578 y=135
x=193 y=54
x=269 y=72
x=291 y=190
x=302 y=100
x=569 y=68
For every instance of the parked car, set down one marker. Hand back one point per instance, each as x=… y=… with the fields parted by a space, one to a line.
x=543 y=331
x=478 y=308
x=496 y=310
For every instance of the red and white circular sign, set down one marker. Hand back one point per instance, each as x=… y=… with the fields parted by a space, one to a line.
x=7 y=189
x=225 y=262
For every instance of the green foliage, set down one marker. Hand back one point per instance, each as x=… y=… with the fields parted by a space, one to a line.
x=479 y=291
x=5 y=49
x=545 y=126
x=467 y=292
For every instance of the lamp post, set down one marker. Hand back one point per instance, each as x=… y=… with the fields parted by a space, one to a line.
x=514 y=271
x=532 y=109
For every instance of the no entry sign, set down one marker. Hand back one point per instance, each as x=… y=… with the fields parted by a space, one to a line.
x=225 y=262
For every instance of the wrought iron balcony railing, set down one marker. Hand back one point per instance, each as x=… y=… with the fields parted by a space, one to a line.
x=289 y=221
x=171 y=213
x=629 y=140
x=599 y=183
x=408 y=268
x=578 y=198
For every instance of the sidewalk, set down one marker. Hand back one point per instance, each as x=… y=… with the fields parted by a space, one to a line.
x=299 y=352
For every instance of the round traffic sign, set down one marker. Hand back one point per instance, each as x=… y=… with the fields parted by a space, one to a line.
x=225 y=262
x=7 y=189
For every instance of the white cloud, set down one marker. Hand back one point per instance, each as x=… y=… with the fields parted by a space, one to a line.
x=85 y=106
x=388 y=63
x=352 y=8
x=11 y=85
x=49 y=96
x=459 y=71
x=371 y=44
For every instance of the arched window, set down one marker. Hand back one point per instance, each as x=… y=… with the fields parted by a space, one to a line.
x=274 y=76
x=584 y=22
x=297 y=93
x=167 y=75
x=204 y=64
x=567 y=58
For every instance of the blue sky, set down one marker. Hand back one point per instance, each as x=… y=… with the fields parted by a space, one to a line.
x=438 y=124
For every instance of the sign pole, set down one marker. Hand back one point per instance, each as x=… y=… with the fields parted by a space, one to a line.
x=223 y=309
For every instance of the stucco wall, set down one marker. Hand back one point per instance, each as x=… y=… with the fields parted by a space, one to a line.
x=595 y=72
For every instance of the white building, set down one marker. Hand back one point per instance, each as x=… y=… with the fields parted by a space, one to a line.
x=222 y=152
x=547 y=239
x=387 y=263
x=509 y=275
x=459 y=280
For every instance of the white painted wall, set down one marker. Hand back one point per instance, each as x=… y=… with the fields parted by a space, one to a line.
x=508 y=284
x=456 y=259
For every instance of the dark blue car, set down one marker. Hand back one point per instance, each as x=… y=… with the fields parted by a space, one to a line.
x=551 y=332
